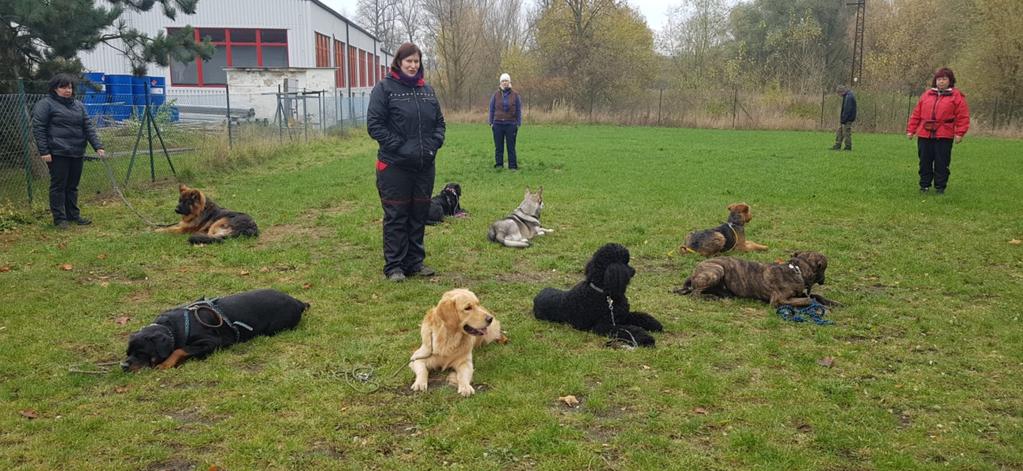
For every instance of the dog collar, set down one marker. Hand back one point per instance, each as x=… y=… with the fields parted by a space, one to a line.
x=595 y=288
x=169 y=331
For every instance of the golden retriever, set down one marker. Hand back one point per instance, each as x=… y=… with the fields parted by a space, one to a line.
x=449 y=333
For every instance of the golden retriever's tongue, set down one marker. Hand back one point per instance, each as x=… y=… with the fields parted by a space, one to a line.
x=474 y=331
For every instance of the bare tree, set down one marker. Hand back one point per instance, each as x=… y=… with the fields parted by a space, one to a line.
x=407 y=13
x=381 y=18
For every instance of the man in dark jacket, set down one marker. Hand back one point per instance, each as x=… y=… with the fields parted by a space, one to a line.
x=61 y=128
x=404 y=117
x=846 y=118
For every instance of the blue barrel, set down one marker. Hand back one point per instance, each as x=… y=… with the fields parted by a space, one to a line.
x=157 y=90
x=119 y=112
x=94 y=97
x=139 y=99
x=93 y=85
x=95 y=110
x=138 y=85
x=118 y=79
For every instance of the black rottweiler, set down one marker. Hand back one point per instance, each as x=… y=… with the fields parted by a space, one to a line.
x=447 y=203
x=200 y=328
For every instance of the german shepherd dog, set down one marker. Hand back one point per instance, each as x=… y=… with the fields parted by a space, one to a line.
x=447 y=203
x=206 y=221
x=728 y=236
x=778 y=283
x=521 y=225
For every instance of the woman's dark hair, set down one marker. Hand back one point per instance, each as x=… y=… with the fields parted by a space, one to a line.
x=61 y=80
x=944 y=72
x=404 y=51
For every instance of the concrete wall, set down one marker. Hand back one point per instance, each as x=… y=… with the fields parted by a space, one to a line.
x=256 y=88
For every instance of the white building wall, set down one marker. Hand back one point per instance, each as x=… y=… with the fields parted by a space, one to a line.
x=301 y=18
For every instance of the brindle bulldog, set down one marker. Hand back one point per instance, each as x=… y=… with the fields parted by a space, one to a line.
x=779 y=283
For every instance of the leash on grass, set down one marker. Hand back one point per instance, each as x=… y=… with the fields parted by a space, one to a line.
x=101 y=368
x=814 y=312
x=117 y=189
x=363 y=378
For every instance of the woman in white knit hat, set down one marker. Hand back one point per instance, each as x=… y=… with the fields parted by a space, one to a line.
x=505 y=119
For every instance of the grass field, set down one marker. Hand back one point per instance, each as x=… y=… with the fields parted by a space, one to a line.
x=928 y=350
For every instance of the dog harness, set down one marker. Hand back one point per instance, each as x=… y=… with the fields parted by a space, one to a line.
x=728 y=230
x=211 y=305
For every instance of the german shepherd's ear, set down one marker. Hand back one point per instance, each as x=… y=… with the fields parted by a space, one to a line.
x=796 y=254
x=448 y=314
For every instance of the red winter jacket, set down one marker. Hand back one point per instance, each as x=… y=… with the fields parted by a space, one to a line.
x=940 y=115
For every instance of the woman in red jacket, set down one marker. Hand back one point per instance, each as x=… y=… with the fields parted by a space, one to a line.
x=940 y=117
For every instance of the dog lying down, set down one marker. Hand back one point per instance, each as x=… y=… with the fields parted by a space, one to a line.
x=779 y=283
x=598 y=302
x=198 y=329
x=449 y=333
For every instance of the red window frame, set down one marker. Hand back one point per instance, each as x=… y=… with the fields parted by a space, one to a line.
x=339 y=64
x=352 y=65
x=322 y=50
x=227 y=43
x=362 y=68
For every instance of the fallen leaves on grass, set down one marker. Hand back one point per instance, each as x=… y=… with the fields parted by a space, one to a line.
x=102 y=256
x=826 y=362
x=244 y=273
x=569 y=400
x=307 y=285
x=121 y=389
x=5 y=268
x=122 y=320
x=67 y=267
x=699 y=411
x=29 y=414
x=1015 y=242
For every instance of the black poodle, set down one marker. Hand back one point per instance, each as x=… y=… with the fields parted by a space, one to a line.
x=598 y=303
x=447 y=203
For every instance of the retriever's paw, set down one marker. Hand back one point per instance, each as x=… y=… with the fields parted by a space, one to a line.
x=466 y=390
x=419 y=386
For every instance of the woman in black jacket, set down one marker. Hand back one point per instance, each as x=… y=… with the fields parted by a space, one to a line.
x=404 y=117
x=61 y=127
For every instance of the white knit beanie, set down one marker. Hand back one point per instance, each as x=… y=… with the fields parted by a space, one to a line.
x=505 y=77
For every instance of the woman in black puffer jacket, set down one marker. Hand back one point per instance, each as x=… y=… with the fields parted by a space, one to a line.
x=61 y=128
x=404 y=117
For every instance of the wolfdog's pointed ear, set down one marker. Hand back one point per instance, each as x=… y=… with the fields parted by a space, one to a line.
x=448 y=314
x=527 y=192
x=183 y=188
x=539 y=192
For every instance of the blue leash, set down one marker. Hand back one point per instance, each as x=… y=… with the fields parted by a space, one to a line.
x=814 y=312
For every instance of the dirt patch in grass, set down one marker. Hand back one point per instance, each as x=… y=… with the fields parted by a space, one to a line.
x=275 y=235
x=172 y=464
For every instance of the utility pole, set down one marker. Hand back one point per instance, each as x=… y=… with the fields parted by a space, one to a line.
x=856 y=71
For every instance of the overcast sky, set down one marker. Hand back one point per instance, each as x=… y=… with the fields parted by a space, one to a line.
x=655 y=11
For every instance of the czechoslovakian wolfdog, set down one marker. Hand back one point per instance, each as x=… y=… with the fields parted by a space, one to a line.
x=521 y=225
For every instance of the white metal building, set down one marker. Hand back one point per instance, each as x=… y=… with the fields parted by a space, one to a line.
x=259 y=33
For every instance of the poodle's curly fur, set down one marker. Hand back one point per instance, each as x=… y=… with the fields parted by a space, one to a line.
x=598 y=303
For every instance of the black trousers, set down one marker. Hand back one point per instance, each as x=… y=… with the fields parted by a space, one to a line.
x=65 y=173
x=935 y=157
x=405 y=197
x=505 y=133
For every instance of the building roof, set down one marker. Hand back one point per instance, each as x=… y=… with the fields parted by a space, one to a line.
x=346 y=20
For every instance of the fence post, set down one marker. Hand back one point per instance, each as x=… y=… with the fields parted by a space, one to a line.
x=660 y=98
x=230 y=137
x=824 y=94
x=735 y=103
x=24 y=118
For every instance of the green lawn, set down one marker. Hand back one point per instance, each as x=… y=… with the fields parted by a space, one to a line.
x=928 y=363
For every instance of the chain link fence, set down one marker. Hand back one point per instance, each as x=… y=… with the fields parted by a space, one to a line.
x=190 y=129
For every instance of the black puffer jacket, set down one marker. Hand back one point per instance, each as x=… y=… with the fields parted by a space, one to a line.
x=61 y=127
x=407 y=122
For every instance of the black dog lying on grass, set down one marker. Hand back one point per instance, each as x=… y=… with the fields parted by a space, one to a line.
x=447 y=203
x=598 y=303
x=198 y=329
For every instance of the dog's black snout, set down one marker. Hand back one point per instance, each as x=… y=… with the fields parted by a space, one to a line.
x=489 y=319
x=125 y=366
